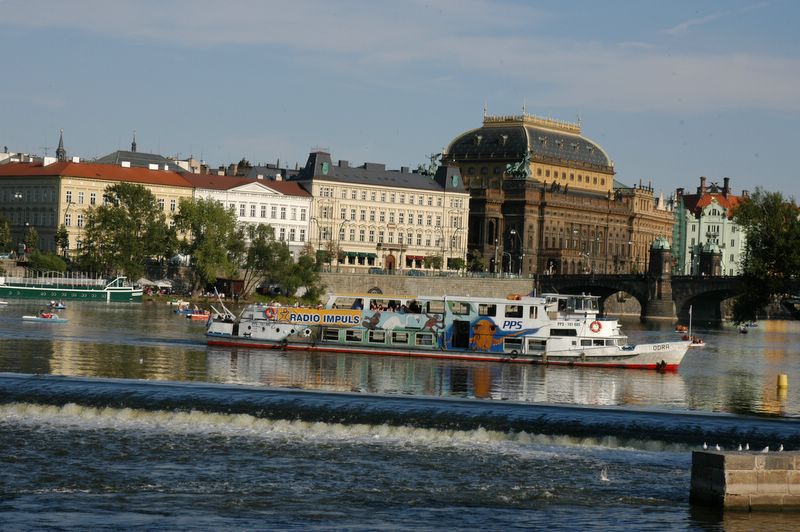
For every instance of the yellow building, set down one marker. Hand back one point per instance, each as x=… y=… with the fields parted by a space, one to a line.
x=44 y=196
x=543 y=199
x=385 y=219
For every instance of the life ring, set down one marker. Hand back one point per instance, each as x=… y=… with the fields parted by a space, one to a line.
x=269 y=312
x=595 y=326
x=307 y=333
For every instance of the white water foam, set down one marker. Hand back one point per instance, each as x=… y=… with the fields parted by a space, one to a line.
x=77 y=417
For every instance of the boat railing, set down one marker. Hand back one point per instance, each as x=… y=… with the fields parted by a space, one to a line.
x=48 y=280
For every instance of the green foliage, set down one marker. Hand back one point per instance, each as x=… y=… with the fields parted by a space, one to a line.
x=772 y=263
x=5 y=233
x=456 y=263
x=31 y=239
x=211 y=239
x=122 y=234
x=62 y=239
x=433 y=261
x=46 y=262
x=477 y=262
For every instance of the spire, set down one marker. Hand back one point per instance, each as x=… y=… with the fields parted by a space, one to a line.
x=133 y=144
x=61 y=153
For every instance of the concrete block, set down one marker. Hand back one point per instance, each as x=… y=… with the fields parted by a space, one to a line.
x=793 y=479
x=760 y=460
x=791 y=503
x=710 y=459
x=737 y=502
x=741 y=482
x=717 y=481
x=779 y=461
x=773 y=481
x=766 y=501
x=740 y=461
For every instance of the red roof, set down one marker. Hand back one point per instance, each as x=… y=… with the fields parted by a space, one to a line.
x=697 y=202
x=224 y=182
x=111 y=172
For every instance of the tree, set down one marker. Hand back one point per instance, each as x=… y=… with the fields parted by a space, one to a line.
x=477 y=262
x=211 y=239
x=456 y=263
x=31 y=239
x=62 y=239
x=5 y=233
x=771 y=265
x=124 y=232
x=433 y=261
x=265 y=260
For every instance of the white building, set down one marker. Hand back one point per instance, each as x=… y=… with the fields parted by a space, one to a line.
x=285 y=206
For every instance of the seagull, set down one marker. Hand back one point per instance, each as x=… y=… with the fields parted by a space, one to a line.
x=604 y=474
x=716 y=447
x=746 y=446
x=740 y=447
x=765 y=449
x=705 y=445
x=780 y=448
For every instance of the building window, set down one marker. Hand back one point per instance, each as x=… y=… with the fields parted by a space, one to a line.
x=361 y=235
x=372 y=235
x=371 y=216
x=353 y=215
x=391 y=217
x=80 y=198
x=302 y=215
x=283 y=213
x=282 y=234
x=92 y=198
x=352 y=235
x=380 y=237
x=372 y=196
x=263 y=211
x=173 y=204
x=68 y=220
x=293 y=213
x=241 y=209
x=419 y=239
x=383 y=197
x=401 y=217
x=363 y=215
x=273 y=212
x=80 y=220
x=291 y=234
x=161 y=203
x=302 y=235
x=353 y=194
x=252 y=211
x=382 y=216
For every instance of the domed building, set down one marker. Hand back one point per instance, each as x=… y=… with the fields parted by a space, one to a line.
x=543 y=199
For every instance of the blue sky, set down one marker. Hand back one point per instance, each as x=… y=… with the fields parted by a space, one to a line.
x=671 y=90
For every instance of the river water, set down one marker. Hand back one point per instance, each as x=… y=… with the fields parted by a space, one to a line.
x=123 y=417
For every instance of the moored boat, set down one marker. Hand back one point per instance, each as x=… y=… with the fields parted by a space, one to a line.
x=55 y=286
x=552 y=329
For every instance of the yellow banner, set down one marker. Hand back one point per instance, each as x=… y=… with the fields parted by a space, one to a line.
x=310 y=316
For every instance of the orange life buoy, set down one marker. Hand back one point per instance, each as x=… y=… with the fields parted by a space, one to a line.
x=269 y=312
x=595 y=326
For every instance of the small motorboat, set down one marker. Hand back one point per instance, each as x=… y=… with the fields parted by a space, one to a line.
x=694 y=341
x=3 y=302
x=198 y=315
x=48 y=317
x=57 y=305
x=743 y=329
x=681 y=328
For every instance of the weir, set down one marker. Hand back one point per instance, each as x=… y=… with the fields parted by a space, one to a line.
x=621 y=424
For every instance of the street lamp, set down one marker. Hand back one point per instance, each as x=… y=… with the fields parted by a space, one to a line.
x=509 y=262
x=339 y=236
x=513 y=232
x=495 y=256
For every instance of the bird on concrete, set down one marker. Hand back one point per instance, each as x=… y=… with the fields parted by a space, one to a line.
x=765 y=449
x=740 y=447
x=780 y=448
x=746 y=446
x=705 y=445
x=716 y=447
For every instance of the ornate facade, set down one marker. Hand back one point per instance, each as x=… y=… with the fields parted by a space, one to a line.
x=543 y=199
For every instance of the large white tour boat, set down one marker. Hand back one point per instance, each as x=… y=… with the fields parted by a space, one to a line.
x=551 y=329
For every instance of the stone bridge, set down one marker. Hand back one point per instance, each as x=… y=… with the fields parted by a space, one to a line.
x=660 y=297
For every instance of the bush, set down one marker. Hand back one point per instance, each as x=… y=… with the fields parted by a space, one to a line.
x=46 y=262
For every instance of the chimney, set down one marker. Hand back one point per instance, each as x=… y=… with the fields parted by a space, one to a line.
x=726 y=186
x=404 y=169
x=679 y=192
x=343 y=164
x=702 y=188
x=745 y=193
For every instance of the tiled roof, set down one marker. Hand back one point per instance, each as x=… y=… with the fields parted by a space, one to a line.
x=697 y=202
x=223 y=182
x=138 y=159
x=110 y=172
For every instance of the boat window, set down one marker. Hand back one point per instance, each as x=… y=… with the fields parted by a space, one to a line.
x=399 y=337
x=331 y=335
x=353 y=336
x=424 y=339
x=345 y=302
x=459 y=308
x=512 y=344
x=598 y=342
x=385 y=305
x=377 y=337
x=533 y=312
x=486 y=309
x=414 y=307
x=513 y=311
x=536 y=345
x=436 y=307
x=586 y=342
x=563 y=332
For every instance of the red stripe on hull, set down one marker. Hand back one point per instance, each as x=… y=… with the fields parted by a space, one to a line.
x=437 y=354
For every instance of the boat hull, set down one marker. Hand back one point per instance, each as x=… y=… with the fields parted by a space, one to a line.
x=667 y=358
x=45 y=292
x=45 y=320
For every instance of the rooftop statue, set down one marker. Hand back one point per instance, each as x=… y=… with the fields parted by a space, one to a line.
x=521 y=168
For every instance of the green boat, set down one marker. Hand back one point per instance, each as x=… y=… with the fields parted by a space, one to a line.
x=50 y=286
